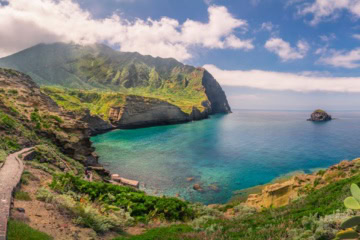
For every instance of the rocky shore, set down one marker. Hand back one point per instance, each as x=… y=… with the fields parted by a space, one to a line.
x=283 y=192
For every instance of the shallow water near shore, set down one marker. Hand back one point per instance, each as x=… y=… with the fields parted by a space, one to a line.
x=227 y=153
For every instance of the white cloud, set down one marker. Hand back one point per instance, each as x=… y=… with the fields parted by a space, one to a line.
x=356 y=36
x=329 y=9
x=233 y=42
x=328 y=38
x=268 y=26
x=285 y=51
x=345 y=59
x=280 y=81
x=24 y=23
x=255 y=2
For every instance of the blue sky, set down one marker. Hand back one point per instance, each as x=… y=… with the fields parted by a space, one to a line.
x=287 y=25
x=267 y=54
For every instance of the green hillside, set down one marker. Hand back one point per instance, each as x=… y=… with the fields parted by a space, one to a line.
x=99 y=67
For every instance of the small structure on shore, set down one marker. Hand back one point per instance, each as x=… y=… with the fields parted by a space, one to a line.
x=125 y=181
x=320 y=116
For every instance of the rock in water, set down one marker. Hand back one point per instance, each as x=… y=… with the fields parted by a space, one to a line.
x=197 y=187
x=320 y=116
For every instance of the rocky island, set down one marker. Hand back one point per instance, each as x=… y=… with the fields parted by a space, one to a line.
x=320 y=116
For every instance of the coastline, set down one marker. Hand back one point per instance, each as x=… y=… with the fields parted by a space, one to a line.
x=242 y=194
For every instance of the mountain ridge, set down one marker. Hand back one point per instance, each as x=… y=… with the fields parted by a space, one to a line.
x=99 y=68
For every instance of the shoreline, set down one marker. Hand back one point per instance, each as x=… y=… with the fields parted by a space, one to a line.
x=239 y=194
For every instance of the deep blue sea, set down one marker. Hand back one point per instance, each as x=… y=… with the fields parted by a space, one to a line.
x=234 y=151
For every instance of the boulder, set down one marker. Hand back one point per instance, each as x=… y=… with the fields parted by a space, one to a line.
x=197 y=187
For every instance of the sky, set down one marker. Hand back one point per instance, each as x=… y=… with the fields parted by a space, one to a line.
x=266 y=54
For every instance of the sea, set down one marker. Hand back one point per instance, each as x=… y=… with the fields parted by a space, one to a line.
x=228 y=153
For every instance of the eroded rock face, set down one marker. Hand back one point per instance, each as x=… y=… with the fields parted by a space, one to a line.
x=96 y=124
x=320 y=116
x=281 y=194
x=215 y=94
x=141 y=112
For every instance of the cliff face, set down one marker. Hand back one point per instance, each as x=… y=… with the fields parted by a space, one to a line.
x=28 y=117
x=215 y=94
x=142 y=112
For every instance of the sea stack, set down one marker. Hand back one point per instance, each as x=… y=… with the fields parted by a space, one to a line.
x=320 y=116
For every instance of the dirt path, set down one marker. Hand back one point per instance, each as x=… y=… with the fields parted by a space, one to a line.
x=10 y=175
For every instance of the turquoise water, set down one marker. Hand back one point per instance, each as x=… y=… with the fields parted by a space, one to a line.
x=233 y=152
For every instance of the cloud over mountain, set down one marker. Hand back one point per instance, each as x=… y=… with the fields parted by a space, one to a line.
x=24 y=23
x=283 y=81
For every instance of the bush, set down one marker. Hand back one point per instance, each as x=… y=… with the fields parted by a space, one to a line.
x=36 y=118
x=85 y=214
x=27 y=176
x=56 y=118
x=13 y=92
x=7 y=121
x=140 y=206
x=9 y=144
x=44 y=195
x=22 y=196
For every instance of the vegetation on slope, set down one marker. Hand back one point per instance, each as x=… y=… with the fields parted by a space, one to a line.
x=99 y=102
x=100 y=68
x=141 y=206
x=316 y=216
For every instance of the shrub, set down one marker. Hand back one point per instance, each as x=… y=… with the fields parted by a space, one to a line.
x=7 y=121
x=36 y=118
x=85 y=214
x=27 y=176
x=140 y=206
x=13 y=92
x=22 y=196
x=9 y=144
x=44 y=195
x=56 y=118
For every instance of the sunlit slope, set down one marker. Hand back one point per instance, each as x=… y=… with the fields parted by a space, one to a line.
x=99 y=67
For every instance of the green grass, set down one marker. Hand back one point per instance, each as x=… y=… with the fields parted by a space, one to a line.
x=21 y=231
x=22 y=196
x=173 y=232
